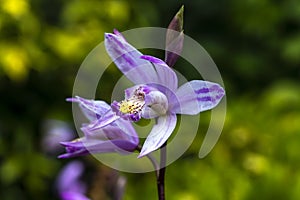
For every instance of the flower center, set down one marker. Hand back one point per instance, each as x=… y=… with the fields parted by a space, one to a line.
x=133 y=106
x=142 y=101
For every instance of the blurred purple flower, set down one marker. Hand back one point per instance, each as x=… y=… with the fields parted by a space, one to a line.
x=55 y=131
x=68 y=182
x=118 y=136
x=155 y=94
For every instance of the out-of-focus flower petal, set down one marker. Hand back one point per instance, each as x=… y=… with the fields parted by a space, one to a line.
x=120 y=187
x=69 y=174
x=127 y=58
x=55 y=132
x=159 y=134
x=197 y=96
x=73 y=195
x=68 y=182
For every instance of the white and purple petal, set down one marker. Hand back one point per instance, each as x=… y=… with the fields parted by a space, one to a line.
x=159 y=134
x=118 y=130
x=165 y=75
x=91 y=109
x=127 y=59
x=85 y=146
x=197 y=96
x=105 y=120
x=128 y=131
x=119 y=136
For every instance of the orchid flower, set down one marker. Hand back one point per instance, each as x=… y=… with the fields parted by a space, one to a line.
x=155 y=94
x=68 y=184
x=118 y=136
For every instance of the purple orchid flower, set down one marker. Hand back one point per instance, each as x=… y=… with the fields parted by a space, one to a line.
x=118 y=136
x=68 y=184
x=155 y=94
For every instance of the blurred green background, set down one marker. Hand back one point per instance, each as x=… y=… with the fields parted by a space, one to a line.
x=255 y=44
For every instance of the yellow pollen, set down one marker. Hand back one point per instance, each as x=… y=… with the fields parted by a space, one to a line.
x=134 y=104
x=131 y=106
x=126 y=106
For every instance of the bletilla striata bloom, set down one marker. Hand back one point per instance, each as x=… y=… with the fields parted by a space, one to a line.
x=155 y=94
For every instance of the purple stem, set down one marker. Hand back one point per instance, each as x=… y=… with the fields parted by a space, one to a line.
x=161 y=173
x=160 y=170
x=152 y=160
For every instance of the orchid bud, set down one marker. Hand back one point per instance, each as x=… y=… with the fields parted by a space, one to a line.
x=174 y=38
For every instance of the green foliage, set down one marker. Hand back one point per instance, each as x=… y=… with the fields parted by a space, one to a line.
x=255 y=43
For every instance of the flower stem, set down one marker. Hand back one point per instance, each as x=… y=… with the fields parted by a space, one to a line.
x=152 y=160
x=161 y=173
x=155 y=165
x=160 y=170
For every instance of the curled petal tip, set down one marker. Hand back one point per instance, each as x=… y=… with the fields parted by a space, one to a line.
x=115 y=31
x=107 y=35
x=115 y=35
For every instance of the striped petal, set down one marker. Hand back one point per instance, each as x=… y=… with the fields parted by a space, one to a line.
x=197 y=96
x=127 y=59
x=91 y=109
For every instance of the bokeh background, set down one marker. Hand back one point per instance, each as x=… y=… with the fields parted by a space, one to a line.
x=255 y=44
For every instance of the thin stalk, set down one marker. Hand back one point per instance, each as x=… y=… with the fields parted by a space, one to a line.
x=161 y=174
x=152 y=160
x=160 y=170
